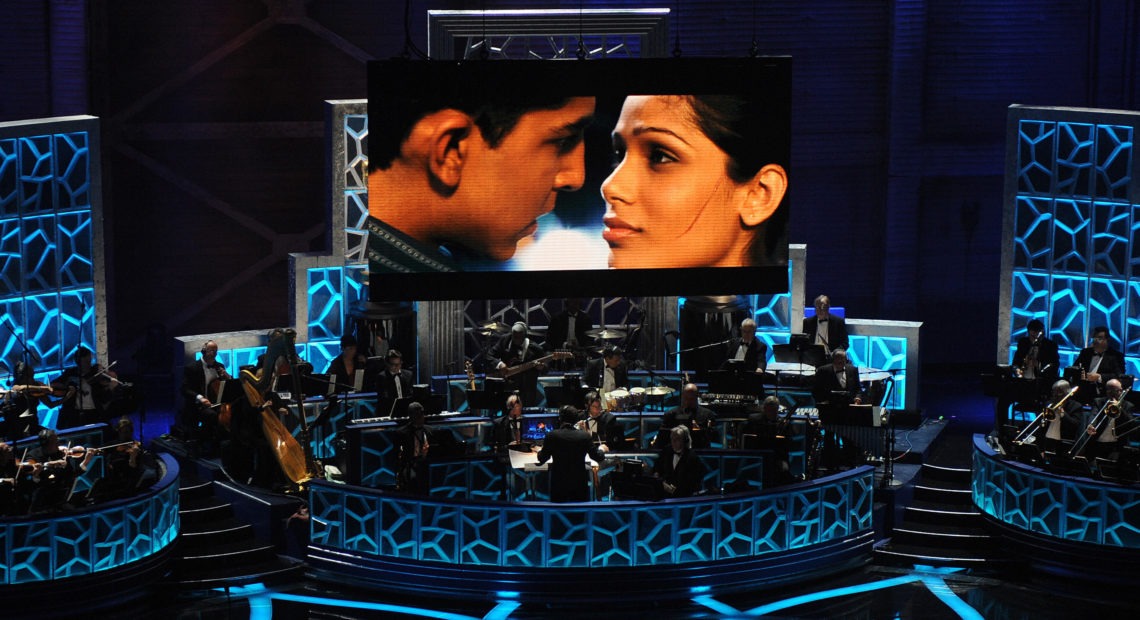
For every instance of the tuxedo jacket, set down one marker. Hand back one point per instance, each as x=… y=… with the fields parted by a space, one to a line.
x=569 y=447
x=755 y=357
x=1111 y=367
x=703 y=418
x=608 y=430
x=386 y=389
x=194 y=382
x=1124 y=422
x=827 y=381
x=836 y=331
x=1047 y=354
x=595 y=370
x=558 y=332
x=687 y=476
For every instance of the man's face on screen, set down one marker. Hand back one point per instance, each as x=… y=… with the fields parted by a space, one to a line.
x=505 y=188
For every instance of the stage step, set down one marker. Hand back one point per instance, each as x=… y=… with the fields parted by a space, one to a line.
x=215 y=549
x=941 y=526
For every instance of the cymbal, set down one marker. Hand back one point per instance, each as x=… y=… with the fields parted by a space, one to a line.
x=659 y=390
x=494 y=327
x=606 y=333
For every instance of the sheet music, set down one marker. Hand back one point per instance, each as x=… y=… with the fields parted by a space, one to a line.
x=358 y=380
x=332 y=385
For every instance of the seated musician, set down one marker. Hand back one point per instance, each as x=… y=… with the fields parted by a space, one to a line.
x=55 y=471
x=602 y=425
x=508 y=429
x=513 y=350
x=1099 y=362
x=569 y=447
x=127 y=465
x=1059 y=424
x=608 y=372
x=747 y=350
x=9 y=498
x=201 y=381
x=21 y=409
x=415 y=442
x=393 y=384
x=86 y=390
x=345 y=365
x=838 y=376
x=680 y=469
x=1036 y=356
x=1118 y=418
x=690 y=414
x=771 y=428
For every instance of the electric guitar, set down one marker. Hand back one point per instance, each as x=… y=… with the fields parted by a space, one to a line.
x=511 y=371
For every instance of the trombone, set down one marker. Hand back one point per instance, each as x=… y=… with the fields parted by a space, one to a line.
x=1046 y=415
x=1111 y=409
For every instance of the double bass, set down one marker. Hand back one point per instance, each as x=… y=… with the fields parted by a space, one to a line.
x=296 y=461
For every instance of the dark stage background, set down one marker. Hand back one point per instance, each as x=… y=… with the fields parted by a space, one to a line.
x=214 y=136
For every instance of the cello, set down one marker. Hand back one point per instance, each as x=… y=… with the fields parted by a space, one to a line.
x=286 y=449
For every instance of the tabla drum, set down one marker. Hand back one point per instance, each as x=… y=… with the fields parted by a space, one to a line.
x=637 y=396
x=617 y=400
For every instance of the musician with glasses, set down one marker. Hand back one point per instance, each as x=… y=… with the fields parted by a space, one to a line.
x=1099 y=362
x=1116 y=418
x=747 y=350
x=603 y=427
x=607 y=373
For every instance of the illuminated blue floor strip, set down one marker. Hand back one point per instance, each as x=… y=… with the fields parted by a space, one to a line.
x=826 y=594
x=939 y=588
x=502 y=611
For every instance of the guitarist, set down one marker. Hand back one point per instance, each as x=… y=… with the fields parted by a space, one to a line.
x=516 y=349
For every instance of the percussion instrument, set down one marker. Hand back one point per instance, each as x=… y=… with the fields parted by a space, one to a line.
x=617 y=400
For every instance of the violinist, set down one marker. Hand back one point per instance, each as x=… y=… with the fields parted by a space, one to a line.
x=55 y=470
x=1060 y=419
x=21 y=408
x=127 y=464
x=201 y=382
x=86 y=391
x=1118 y=418
x=10 y=503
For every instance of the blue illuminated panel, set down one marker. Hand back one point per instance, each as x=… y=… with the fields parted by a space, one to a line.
x=47 y=242
x=374 y=524
x=1067 y=508
x=1074 y=224
x=99 y=538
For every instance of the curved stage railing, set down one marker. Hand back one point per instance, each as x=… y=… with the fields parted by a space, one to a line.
x=117 y=542
x=626 y=549
x=1062 y=524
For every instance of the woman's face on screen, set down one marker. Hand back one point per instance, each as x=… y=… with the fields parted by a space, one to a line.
x=669 y=200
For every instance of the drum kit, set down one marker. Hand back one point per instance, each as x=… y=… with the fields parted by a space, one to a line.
x=635 y=399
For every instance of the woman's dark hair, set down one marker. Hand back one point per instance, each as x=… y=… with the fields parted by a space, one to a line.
x=752 y=132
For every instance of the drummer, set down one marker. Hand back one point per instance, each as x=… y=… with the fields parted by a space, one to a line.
x=607 y=373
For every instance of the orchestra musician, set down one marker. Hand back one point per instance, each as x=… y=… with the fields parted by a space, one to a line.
x=1059 y=424
x=746 y=349
x=1118 y=418
x=1099 y=362
x=838 y=376
x=393 y=383
x=690 y=414
x=567 y=329
x=201 y=384
x=345 y=365
x=608 y=372
x=680 y=469
x=86 y=390
x=508 y=429
x=826 y=328
x=770 y=427
x=1036 y=356
x=55 y=471
x=513 y=350
x=127 y=464
x=21 y=407
x=10 y=501
x=415 y=443
x=603 y=427
x=569 y=447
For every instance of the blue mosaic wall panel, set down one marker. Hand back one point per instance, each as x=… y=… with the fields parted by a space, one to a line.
x=1075 y=242
x=47 y=244
x=379 y=525
x=94 y=539
x=1068 y=508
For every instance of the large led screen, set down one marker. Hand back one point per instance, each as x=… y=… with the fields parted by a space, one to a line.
x=507 y=179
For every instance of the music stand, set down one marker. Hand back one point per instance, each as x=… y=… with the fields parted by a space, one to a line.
x=485 y=400
x=807 y=352
x=736 y=382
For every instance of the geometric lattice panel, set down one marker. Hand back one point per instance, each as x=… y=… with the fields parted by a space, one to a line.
x=1063 y=507
x=1071 y=244
x=49 y=244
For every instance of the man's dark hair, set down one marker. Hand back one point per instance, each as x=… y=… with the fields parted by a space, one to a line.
x=1101 y=329
x=568 y=415
x=611 y=350
x=495 y=106
x=1035 y=324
